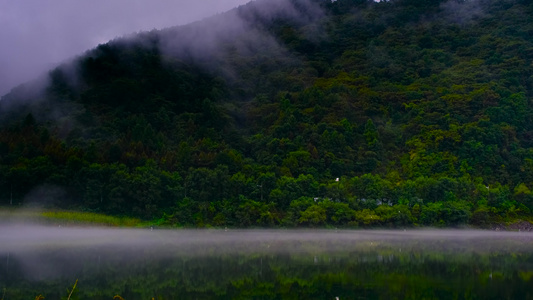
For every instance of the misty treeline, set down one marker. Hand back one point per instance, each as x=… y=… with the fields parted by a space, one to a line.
x=289 y=113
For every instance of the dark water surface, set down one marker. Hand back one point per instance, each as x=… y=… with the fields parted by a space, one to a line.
x=264 y=264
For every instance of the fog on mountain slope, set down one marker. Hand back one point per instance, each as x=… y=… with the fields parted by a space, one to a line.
x=39 y=34
x=423 y=113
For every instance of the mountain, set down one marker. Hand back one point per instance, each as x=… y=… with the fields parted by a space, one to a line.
x=289 y=112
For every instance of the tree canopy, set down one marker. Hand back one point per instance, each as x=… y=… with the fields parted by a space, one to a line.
x=289 y=113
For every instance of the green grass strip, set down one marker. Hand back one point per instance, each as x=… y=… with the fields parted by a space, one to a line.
x=75 y=217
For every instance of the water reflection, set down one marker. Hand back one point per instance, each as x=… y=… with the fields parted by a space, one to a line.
x=218 y=264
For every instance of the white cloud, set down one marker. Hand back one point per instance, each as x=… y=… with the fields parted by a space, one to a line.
x=37 y=34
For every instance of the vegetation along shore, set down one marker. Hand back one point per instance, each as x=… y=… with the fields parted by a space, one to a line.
x=287 y=113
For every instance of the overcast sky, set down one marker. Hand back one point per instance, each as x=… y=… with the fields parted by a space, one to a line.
x=35 y=35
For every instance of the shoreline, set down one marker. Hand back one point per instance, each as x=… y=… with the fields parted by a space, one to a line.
x=72 y=218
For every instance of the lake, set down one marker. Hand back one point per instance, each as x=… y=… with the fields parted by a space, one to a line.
x=263 y=264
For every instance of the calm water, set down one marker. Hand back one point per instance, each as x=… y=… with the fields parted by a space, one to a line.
x=261 y=264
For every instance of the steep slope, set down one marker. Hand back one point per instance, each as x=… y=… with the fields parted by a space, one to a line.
x=422 y=109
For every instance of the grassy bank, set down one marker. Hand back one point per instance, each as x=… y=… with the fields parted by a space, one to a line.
x=89 y=218
x=80 y=218
x=66 y=217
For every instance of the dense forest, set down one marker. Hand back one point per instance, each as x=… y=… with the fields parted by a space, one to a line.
x=289 y=113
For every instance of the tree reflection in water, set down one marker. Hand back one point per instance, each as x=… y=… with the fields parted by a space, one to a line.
x=218 y=264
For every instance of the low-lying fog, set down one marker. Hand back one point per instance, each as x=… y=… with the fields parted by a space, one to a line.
x=145 y=263
x=24 y=237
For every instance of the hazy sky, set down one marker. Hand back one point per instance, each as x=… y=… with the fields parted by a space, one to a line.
x=35 y=35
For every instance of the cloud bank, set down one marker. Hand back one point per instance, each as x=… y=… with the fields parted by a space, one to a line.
x=36 y=35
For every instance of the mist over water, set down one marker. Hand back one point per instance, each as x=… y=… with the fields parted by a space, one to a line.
x=29 y=237
x=224 y=264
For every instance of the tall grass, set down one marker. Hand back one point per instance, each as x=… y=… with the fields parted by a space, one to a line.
x=68 y=217
x=72 y=291
x=89 y=218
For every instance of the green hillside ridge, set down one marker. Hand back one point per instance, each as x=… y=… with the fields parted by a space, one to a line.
x=289 y=113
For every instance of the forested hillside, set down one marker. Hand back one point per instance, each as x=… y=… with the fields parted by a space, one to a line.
x=289 y=113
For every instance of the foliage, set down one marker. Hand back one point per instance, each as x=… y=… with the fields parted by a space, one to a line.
x=422 y=110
